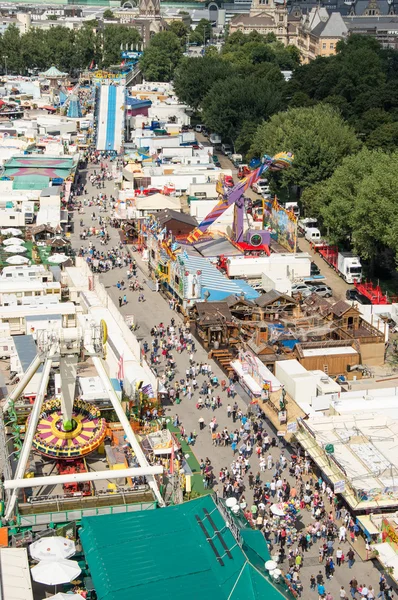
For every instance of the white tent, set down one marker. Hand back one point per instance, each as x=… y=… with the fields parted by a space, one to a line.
x=158 y=202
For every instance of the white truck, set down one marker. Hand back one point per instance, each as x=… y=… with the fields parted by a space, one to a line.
x=293 y=207
x=349 y=267
x=304 y=224
x=293 y=266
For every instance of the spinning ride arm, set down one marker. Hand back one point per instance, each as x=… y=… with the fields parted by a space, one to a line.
x=234 y=196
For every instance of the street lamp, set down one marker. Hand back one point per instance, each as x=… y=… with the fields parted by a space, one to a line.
x=5 y=61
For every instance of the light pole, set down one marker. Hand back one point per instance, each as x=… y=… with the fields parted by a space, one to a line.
x=5 y=61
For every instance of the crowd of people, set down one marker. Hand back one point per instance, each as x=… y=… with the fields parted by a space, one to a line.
x=263 y=473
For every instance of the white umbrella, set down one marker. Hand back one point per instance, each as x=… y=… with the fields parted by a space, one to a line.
x=11 y=231
x=17 y=260
x=52 y=548
x=277 y=509
x=15 y=249
x=270 y=565
x=62 y=596
x=58 y=258
x=12 y=241
x=55 y=572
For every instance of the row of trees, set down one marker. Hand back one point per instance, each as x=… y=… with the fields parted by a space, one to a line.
x=338 y=115
x=69 y=50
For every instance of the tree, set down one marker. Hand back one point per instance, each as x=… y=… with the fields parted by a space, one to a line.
x=318 y=137
x=108 y=14
x=333 y=200
x=161 y=57
x=357 y=205
x=114 y=38
x=194 y=77
x=180 y=30
x=245 y=137
x=202 y=32
x=232 y=102
x=384 y=137
x=11 y=48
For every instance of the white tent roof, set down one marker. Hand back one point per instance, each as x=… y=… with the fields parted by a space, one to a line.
x=15 y=574
x=158 y=202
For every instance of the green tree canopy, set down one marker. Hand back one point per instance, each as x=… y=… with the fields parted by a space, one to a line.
x=180 y=30
x=161 y=57
x=232 y=102
x=357 y=204
x=194 y=78
x=318 y=137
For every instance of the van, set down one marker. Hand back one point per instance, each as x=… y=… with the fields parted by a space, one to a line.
x=261 y=187
x=215 y=139
x=312 y=234
x=199 y=128
x=226 y=149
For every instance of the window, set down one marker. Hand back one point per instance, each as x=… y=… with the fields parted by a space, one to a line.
x=177 y=280
x=331 y=46
x=12 y=218
x=281 y=17
x=324 y=46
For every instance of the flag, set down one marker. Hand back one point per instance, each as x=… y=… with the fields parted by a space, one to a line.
x=122 y=63
x=120 y=369
x=172 y=456
x=91 y=65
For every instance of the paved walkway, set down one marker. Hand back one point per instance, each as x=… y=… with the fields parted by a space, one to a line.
x=152 y=311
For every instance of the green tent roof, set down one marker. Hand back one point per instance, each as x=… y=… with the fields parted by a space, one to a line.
x=164 y=553
x=29 y=182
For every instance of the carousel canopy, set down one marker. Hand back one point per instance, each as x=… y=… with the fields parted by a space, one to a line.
x=53 y=72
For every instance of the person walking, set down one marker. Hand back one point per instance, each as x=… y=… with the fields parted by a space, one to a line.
x=120 y=301
x=351 y=558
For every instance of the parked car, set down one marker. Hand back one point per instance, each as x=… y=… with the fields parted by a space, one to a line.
x=315 y=270
x=301 y=289
x=355 y=296
x=216 y=161
x=322 y=289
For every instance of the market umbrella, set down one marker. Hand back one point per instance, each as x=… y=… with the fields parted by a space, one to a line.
x=277 y=509
x=52 y=548
x=17 y=260
x=11 y=231
x=62 y=596
x=55 y=572
x=13 y=241
x=270 y=565
x=58 y=258
x=15 y=249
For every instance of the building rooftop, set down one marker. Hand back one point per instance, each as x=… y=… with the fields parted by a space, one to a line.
x=334 y=27
x=167 y=553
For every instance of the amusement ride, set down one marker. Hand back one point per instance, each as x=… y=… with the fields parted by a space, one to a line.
x=69 y=429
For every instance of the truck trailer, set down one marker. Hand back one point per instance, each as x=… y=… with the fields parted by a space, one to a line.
x=294 y=266
x=346 y=264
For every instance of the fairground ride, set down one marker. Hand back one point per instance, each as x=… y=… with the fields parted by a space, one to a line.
x=69 y=429
x=253 y=240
